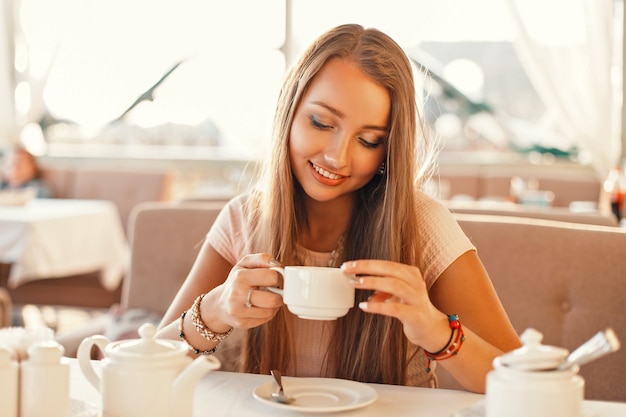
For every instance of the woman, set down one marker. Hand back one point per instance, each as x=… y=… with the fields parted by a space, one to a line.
x=340 y=189
x=20 y=171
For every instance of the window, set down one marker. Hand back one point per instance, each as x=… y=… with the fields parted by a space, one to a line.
x=215 y=69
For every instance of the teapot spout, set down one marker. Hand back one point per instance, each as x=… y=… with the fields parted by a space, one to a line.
x=184 y=385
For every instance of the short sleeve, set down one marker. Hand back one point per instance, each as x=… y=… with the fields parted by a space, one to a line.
x=230 y=234
x=442 y=240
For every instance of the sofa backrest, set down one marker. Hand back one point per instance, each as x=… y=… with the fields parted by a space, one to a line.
x=476 y=181
x=165 y=239
x=566 y=280
x=124 y=187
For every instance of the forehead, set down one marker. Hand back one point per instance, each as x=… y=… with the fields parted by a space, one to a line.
x=344 y=86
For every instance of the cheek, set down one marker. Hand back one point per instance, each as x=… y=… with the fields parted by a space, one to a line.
x=301 y=143
x=369 y=162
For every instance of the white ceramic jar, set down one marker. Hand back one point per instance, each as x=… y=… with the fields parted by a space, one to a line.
x=526 y=382
x=9 y=384
x=45 y=382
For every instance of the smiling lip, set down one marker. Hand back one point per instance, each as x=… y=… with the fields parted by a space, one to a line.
x=326 y=177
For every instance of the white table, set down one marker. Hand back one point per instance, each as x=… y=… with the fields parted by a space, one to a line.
x=224 y=394
x=51 y=238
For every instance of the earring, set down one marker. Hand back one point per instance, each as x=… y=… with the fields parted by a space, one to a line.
x=381 y=169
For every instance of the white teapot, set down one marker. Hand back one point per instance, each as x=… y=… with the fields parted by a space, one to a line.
x=531 y=381
x=144 y=377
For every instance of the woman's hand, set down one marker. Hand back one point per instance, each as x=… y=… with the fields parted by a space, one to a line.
x=400 y=292
x=239 y=301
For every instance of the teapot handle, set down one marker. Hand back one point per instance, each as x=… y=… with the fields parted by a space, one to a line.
x=84 y=358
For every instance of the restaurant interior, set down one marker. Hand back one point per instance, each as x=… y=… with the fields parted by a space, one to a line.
x=146 y=117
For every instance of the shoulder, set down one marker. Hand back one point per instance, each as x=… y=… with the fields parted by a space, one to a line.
x=238 y=206
x=230 y=233
x=429 y=208
x=441 y=238
x=434 y=217
x=234 y=210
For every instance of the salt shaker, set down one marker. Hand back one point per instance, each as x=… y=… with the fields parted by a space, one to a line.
x=8 y=384
x=44 y=384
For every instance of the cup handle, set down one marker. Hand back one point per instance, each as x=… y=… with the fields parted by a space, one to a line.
x=275 y=290
x=83 y=354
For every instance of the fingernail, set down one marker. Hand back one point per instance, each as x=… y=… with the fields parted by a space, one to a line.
x=363 y=305
x=347 y=265
x=274 y=262
x=355 y=280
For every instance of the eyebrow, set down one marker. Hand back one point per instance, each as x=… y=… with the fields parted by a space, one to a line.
x=341 y=115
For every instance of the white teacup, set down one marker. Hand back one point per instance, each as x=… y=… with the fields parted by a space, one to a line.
x=316 y=293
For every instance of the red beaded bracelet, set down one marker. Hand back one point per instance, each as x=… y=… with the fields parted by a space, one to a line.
x=457 y=337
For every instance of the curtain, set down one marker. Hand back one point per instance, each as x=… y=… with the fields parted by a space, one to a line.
x=569 y=51
x=8 y=128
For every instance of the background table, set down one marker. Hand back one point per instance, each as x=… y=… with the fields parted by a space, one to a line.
x=50 y=238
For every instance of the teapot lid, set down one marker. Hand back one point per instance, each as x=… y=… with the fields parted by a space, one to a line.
x=534 y=356
x=147 y=346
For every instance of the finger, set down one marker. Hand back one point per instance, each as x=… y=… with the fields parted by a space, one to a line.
x=257 y=260
x=389 y=307
x=247 y=278
x=382 y=268
x=257 y=298
x=386 y=285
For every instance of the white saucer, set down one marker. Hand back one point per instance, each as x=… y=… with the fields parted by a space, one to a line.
x=318 y=395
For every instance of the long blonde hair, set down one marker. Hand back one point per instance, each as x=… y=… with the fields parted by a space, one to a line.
x=366 y=347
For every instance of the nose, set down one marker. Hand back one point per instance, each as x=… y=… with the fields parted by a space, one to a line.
x=337 y=155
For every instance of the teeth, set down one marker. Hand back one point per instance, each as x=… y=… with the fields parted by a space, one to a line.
x=325 y=173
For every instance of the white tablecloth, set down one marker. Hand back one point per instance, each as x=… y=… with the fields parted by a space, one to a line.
x=51 y=238
x=229 y=394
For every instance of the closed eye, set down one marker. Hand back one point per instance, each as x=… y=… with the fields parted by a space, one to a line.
x=317 y=124
x=370 y=145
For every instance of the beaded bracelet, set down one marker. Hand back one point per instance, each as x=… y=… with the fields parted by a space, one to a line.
x=181 y=333
x=457 y=337
x=201 y=327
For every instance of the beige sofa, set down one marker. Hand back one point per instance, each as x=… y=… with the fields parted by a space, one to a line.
x=566 y=280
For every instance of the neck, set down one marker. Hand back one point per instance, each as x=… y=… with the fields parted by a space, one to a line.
x=326 y=223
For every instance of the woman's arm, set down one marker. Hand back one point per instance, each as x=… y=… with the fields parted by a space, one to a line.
x=464 y=288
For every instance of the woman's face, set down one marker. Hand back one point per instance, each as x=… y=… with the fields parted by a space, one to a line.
x=338 y=137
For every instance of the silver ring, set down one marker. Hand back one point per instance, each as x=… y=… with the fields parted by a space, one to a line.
x=248 y=302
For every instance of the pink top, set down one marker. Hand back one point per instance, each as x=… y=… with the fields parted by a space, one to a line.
x=443 y=241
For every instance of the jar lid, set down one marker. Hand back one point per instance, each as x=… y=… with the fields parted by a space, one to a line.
x=48 y=352
x=534 y=356
x=146 y=347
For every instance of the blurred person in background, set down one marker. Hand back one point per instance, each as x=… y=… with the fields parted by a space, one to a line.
x=20 y=171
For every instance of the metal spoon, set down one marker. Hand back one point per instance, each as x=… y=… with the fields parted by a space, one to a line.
x=604 y=342
x=279 y=395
